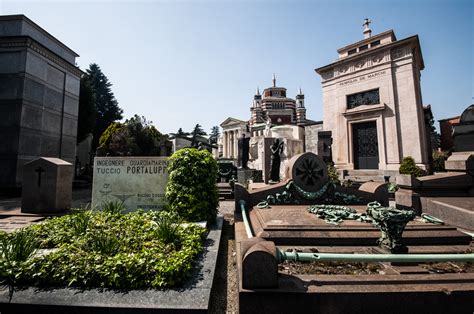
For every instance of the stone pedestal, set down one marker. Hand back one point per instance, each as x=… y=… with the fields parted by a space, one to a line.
x=47 y=186
x=243 y=175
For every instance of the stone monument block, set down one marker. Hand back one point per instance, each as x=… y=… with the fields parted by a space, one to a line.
x=308 y=171
x=461 y=161
x=47 y=185
x=137 y=182
x=463 y=132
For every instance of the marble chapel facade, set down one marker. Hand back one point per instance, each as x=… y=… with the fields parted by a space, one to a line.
x=372 y=103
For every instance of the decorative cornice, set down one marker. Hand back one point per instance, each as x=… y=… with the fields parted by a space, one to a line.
x=372 y=57
x=30 y=43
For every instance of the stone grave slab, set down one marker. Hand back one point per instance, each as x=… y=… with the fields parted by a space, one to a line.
x=458 y=211
x=137 y=182
x=47 y=186
x=294 y=224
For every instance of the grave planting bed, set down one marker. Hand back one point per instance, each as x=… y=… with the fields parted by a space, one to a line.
x=185 y=290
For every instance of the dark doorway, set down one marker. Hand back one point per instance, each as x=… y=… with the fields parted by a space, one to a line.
x=366 y=148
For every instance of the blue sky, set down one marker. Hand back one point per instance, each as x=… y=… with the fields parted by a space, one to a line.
x=179 y=63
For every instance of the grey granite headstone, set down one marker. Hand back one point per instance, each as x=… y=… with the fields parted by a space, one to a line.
x=137 y=182
x=47 y=186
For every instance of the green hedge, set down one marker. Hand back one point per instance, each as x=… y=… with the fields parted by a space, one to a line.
x=408 y=166
x=99 y=249
x=191 y=190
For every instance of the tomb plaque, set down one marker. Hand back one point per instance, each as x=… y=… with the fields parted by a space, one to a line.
x=47 y=185
x=308 y=171
x=138 y=182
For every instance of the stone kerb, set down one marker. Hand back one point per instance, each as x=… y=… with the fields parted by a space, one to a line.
x=137 y=182
x=259 y=264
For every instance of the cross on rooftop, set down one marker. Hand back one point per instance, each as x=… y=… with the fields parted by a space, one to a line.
x=367 y=31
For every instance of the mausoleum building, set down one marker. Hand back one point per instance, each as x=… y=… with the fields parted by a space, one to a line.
x=372 y=103
x=39 y=97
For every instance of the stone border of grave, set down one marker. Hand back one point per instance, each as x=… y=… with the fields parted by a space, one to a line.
x=194 y=297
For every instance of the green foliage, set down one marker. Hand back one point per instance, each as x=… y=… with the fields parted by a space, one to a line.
x=332 y=173
x=408 y=166
x=118 y=251
x=136 y=137
x=196 y=133
x=180 y=134
x=167 y=226
x=438 y=160
x=191 y=190
x=80 y=222
x=113 y=207
x=18 y=246
x=107 y=107
x=87 y=110
x=106 y=137
x=214 y=135
x=392 y=187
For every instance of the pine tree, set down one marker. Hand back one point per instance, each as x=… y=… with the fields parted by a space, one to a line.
x=214 y=135
x=87 y=111
x=198 y=131
x=107 y=107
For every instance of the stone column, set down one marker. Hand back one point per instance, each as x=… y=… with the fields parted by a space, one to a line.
x=236 y=143
x=231 y=144
x=224 y=144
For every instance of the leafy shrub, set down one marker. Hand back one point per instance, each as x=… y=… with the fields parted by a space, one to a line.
x=113 y=207
x=332 y=173
x=408 y=166
x=168 y=224
x=81 y=220
x=106 y=137
x=18 y=246
x=191 y=190
x=438 y=161
x=392 y=187
x=117 y=251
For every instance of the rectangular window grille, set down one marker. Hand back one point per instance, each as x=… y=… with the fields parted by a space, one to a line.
x=370 y=97
x=364 y=47
x=375 y=43
x=352 y=51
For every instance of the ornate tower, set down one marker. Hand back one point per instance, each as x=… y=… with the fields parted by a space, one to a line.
x=300 y=109
x=256 y=109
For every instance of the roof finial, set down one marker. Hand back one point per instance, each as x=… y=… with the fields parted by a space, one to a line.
x=274 y=80
x=258 y=92
x=300 y=92
x=367 y=31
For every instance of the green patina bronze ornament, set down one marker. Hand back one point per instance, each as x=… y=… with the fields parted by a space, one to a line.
x=391 y=222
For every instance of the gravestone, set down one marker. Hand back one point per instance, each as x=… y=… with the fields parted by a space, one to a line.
x=47 y=185
x=463 y=132
x=137 y=182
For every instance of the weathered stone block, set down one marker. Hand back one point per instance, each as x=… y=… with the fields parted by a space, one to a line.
x=51 y=122
x=47 y=186
x=53 y=99
x=11 y=87
x=72 y=85
x=407 y=199
x=55 y=77
x=407 y=180
x=33 y=91
x=36 y=66
x=11 y=62
x=31 y=117
x=260 y=266
x=461 y=161
x=71 y=105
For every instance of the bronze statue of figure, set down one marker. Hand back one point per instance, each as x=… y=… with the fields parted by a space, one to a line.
x=277 y=149
x=243 y=154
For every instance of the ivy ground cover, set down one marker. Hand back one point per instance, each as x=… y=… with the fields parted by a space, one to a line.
x=97 y=249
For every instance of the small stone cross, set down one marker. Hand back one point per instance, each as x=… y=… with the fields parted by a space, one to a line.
x=39 y=170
